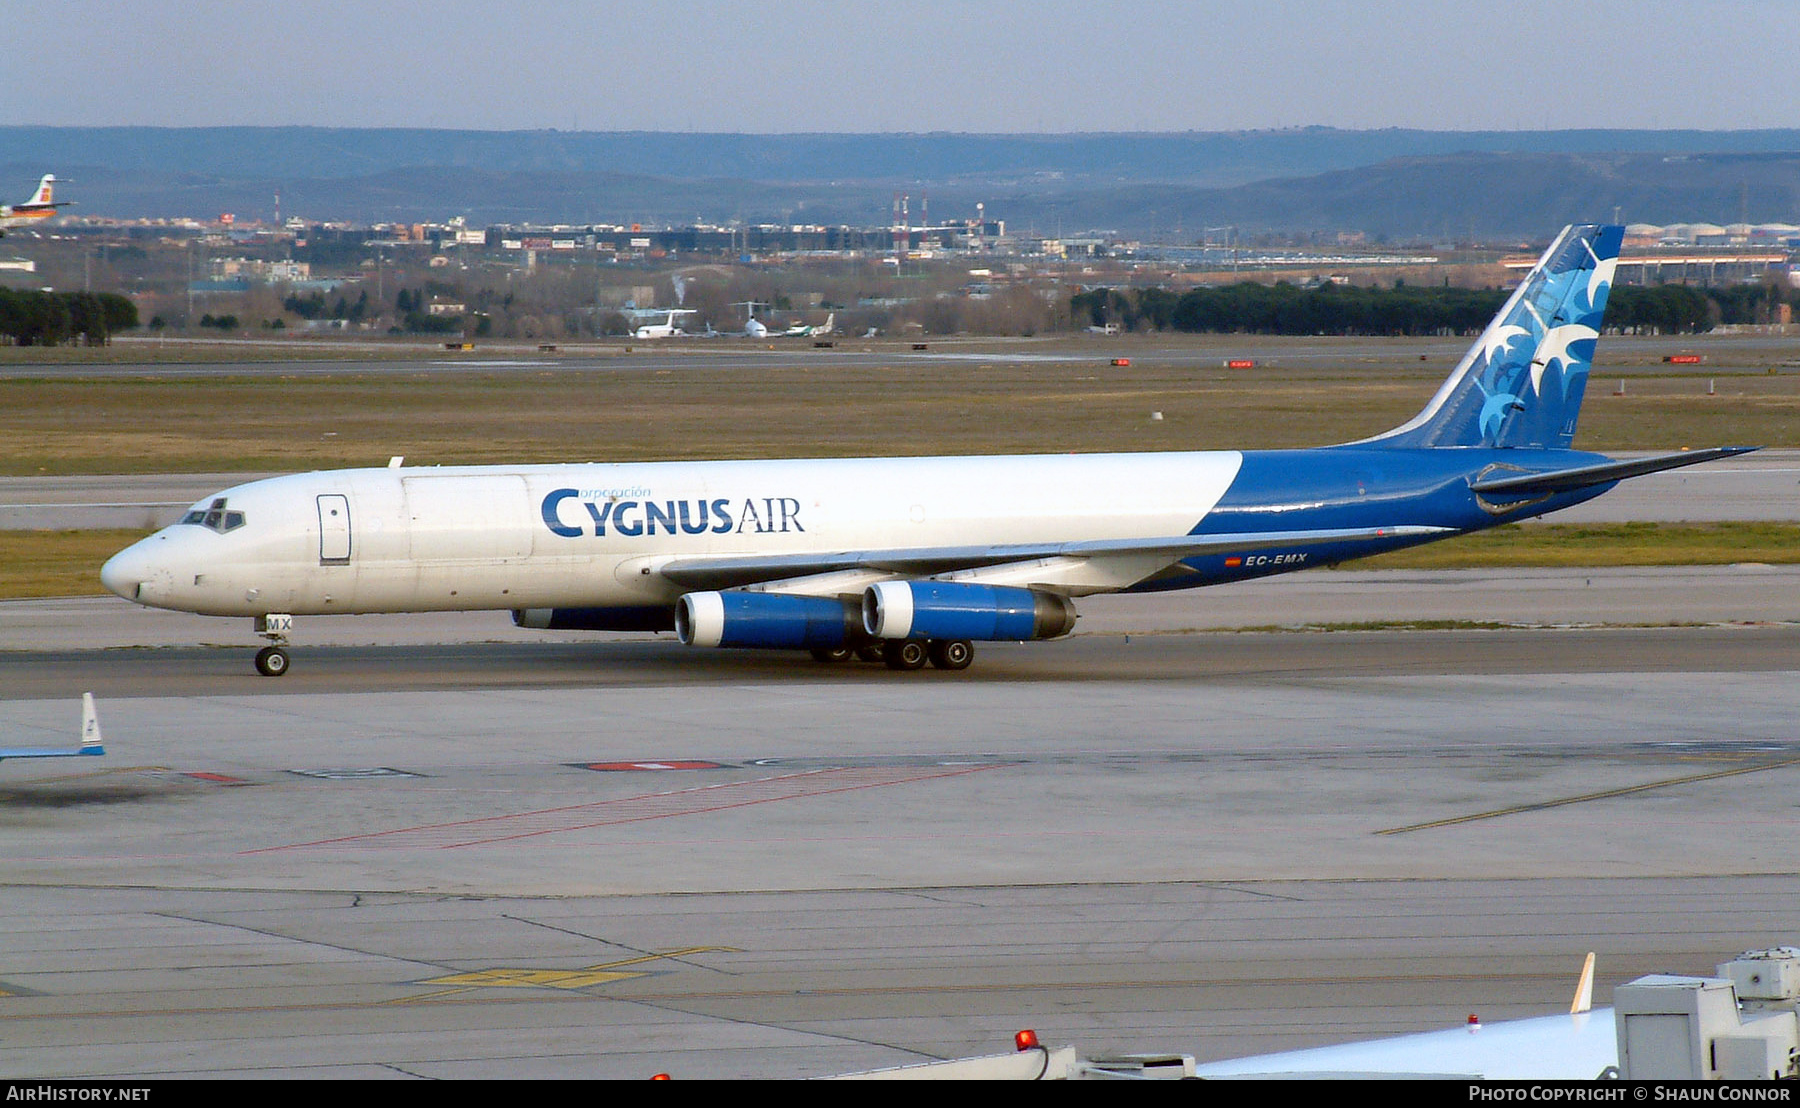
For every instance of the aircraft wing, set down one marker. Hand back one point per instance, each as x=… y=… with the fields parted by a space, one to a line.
x=91 y=742
x=1581 y=477
x=1156 y=553
x=1577 y=1047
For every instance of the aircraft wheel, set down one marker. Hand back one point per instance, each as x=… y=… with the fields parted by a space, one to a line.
x=870 y=653
x=952 y=653
x=271 y=661
x=904 y=654
x=831 y=654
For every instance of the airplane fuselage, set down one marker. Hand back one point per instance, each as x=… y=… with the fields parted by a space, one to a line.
x=596 y=536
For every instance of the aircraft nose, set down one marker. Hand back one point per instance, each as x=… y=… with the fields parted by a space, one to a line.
x=127 y=570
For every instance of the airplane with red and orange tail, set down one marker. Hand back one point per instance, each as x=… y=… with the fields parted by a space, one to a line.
x=40 y=206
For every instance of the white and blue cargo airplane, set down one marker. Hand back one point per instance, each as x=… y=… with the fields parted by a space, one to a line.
x=913 y=558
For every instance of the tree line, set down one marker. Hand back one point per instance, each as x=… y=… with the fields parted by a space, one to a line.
x=313 y=306
x=1287 y=309
x=53 y=318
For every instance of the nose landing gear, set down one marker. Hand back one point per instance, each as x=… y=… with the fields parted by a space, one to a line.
x=272 y=660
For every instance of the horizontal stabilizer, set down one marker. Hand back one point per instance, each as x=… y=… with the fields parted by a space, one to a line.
x=726 y=573
x=1582 y=477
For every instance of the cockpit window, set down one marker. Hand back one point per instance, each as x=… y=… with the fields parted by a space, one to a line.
x=215 y=517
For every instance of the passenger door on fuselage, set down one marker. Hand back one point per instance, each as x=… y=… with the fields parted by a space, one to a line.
x=334 y=529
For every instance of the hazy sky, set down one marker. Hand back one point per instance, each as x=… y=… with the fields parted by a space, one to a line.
x=905 y=65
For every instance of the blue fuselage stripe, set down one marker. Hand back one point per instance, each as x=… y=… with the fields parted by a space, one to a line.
x=1363 y=487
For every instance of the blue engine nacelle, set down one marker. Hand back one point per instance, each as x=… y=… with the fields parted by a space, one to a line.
x=768 y=619
x=951 y=610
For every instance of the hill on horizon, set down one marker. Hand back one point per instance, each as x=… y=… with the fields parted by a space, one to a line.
x=1213 y=159
x=1396 y=183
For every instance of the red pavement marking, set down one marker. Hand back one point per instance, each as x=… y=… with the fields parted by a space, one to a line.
x=618 y=767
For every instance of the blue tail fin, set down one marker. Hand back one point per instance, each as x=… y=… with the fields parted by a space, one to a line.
x=1522 y=382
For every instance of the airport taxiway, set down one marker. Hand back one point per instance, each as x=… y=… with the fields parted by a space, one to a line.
x=776 y=877
x=1334 y=598
x=1723 y=354
x=460 y=858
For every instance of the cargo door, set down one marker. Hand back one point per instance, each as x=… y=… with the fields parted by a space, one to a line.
x=468 y=518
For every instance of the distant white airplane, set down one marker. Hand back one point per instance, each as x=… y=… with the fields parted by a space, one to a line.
x=666 y=330
x=39 y=207
x=910 y=559
x=801 y=330
x=756 y=329
x=90 y=738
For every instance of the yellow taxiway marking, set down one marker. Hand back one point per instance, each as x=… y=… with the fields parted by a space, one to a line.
x=1160 y=982
x=1583 y=798
x=537 y=979
x=548 y=978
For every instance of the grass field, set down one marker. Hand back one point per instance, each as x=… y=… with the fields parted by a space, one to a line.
x=289 y=421
x=67 y=563
x=104 y=426
x=57 y=563
x=1557 y=545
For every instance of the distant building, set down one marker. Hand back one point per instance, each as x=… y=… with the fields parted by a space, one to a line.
x=257 y=269
x=1711 y=234
x=1697 y=253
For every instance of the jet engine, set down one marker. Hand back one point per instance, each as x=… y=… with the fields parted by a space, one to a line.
x=768 y=620
x=954 y=610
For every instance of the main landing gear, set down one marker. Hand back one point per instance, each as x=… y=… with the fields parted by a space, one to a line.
x=905 y=654
x=951 y=653
x=272 y=660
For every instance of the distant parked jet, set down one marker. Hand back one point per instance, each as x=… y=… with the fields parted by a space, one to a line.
x=802 y=331
x=666 y=330
x=38 y=207
x=756 y=329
